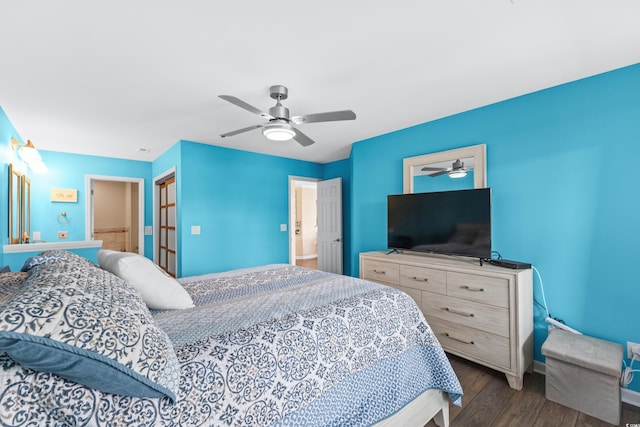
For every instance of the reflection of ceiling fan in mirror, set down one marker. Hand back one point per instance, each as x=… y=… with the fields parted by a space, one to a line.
x=457 y=170
x=280 y=127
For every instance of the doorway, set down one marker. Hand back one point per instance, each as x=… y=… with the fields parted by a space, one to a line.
x=305 y=225
x=324 y=224
x=115 y=212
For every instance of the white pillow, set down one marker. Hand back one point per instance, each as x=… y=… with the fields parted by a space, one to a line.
x=158 y=290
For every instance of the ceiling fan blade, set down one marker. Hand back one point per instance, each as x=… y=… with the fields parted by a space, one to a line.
x=442 y=172
x=429 y=168
x=235 y=132
x=303 y=139
x=244 y=105
x=331 y=116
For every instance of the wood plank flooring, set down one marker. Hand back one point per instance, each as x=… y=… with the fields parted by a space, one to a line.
x=488 y=401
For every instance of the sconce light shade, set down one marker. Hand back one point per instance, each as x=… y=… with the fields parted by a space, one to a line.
x=278 y=131
x=29 y=154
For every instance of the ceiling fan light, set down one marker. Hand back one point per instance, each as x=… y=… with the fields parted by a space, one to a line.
x=458 y=173
x=278 y=132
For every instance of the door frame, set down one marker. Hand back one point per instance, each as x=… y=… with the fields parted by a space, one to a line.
x=292 y=213
x=156 y=225
x=89 y=204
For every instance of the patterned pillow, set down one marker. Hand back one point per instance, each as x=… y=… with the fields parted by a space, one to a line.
x=53 y=256
x=78 y=321
x=9 y=284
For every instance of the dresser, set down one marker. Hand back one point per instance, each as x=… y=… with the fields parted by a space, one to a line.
x=481 y=313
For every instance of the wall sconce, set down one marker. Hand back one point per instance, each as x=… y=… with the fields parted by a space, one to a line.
x=29 y=154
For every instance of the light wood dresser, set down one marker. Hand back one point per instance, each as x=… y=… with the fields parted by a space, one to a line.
x=482 y=313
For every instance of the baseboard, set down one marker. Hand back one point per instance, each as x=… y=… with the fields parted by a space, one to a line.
x=630 y=397
x=539 y=367
x=307 y=256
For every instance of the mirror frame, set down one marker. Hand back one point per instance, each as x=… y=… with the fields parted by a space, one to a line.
x=15 y=205
x=478 y=152
x=25 y=216
x=19 y=206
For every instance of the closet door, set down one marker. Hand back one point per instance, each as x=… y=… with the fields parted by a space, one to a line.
x=167 y=247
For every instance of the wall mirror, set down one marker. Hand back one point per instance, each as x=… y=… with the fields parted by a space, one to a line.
x=435 y=171
x=19 y=206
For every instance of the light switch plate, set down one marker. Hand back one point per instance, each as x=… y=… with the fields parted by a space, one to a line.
x=148 y=230
x=195 y=229
x=283 y=227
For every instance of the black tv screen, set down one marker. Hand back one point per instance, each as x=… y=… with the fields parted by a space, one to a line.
x=446 y=222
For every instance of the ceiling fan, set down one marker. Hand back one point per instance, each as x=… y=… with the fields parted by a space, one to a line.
x=280 y=126
x=457 y=170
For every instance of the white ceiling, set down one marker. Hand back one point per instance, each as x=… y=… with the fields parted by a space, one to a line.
x=110 y=77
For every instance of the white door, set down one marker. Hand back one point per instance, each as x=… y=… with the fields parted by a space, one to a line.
x=330 y=225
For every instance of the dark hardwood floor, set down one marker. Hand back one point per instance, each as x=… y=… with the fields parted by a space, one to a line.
x=488 y=401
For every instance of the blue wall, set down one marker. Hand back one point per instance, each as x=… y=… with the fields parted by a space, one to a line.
x=239 y=199
x=69 y=171
x=560 y=163
x=7 y=156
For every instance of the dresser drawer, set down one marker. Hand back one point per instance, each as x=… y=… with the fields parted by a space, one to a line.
x=472 y=343
x=488 y=290
x=487 y=318
x=425 y=279
x=380 y=271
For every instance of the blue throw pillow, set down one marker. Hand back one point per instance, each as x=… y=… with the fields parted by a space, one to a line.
x=78 y=321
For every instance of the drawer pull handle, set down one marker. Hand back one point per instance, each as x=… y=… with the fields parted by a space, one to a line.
x=418 y=279
x=469 y=288
x=458 y=339
x=461 y=313
x=379 y=271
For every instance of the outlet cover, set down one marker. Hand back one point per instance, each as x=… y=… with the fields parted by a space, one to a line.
x=633 y=348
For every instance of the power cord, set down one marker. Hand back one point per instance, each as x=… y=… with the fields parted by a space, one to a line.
x=544 y=298
x=627 y=372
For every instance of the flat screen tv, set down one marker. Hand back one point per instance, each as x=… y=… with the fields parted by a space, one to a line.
x=445 y=222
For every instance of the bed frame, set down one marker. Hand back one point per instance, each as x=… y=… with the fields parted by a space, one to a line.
x=432 y=404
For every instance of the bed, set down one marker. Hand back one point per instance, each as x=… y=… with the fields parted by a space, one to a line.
x=275 y=345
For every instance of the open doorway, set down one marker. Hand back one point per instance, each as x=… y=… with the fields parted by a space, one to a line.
x=115 y=212
x=303 y=224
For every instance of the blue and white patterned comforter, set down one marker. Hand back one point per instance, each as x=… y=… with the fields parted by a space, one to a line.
x=275 y=345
